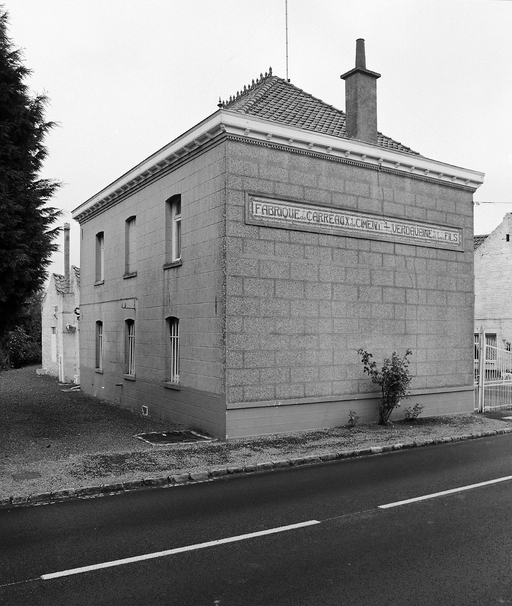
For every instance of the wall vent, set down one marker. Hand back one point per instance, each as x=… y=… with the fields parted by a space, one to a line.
x=145 y=411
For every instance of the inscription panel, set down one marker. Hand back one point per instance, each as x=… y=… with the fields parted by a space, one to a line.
x=310 y=217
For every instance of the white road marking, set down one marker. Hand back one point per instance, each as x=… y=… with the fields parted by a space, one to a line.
x=168 y=552
x=445 y=492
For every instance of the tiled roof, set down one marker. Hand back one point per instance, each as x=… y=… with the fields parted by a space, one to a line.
x=479 y=240
x=277 y=100
x=61 y=284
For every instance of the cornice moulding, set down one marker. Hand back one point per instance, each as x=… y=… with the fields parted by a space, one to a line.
x=374 y=155
x=224 y=122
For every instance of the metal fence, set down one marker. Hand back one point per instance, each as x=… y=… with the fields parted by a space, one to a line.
x=493 y=374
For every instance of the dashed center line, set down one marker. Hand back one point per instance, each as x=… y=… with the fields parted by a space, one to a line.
x=445 y=492
x=251 y=535
x=168 y=552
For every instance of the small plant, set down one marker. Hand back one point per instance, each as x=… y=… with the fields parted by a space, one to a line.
x=394 y=379
x=353 y=419
x=413 y=412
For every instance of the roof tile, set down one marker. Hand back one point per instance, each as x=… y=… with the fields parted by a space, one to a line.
x=277 y=100
x=479 y=240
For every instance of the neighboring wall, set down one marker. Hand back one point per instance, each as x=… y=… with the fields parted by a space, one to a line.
x=192 y=292
x=49 y=326
x=493 y=283
x=60 y=328
x=300 y=304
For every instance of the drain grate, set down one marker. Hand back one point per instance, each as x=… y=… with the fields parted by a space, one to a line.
x=26 y=475
x=172 y=437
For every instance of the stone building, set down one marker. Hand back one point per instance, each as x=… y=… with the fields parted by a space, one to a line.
x=59 y=322
x=493 y=287
x=229 y=279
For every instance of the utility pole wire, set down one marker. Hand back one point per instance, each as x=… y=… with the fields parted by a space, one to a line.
x=286 y=23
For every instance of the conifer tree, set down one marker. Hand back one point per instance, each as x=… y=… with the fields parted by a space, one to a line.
x=26 y=235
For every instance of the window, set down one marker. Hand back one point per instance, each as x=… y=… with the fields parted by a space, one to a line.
x=99 y=345
x=173 y=229
x=174 y=350
x=129 y=251
x=100 y=257
x=130 y=348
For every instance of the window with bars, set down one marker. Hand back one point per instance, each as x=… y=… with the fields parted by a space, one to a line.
x=99 y=345
x=174 y=349
x=173 y=229
x=130 y=348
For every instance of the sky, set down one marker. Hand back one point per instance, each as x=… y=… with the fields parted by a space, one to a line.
x=125 y=78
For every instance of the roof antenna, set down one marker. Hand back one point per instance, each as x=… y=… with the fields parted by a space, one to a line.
x=286 y=21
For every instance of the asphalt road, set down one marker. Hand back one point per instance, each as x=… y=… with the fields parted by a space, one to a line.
x=347 y=550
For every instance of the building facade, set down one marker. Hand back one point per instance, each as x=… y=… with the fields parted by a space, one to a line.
x=59 y=322
x=229 y=279
x=493 y=284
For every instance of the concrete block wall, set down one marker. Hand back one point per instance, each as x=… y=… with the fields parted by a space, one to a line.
x=49 y=323
x=192 y=292
x=299 y=304
x=493 y=283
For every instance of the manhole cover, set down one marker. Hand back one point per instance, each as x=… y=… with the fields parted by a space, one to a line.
x=26 y=475
x=172 y=437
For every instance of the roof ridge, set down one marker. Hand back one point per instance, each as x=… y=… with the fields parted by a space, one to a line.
x=255 y=84
x=239 y=94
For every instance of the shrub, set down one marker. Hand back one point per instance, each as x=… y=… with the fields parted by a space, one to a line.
x=413 y=412
x=22 y=348
x=353 y=419
x=394 y=379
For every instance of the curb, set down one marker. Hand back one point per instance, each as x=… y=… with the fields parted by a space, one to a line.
x=216 y=472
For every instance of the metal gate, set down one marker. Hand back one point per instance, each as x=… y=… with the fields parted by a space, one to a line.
x=493 y=373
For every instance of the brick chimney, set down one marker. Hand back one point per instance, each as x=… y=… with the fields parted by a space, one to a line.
x=361 y=99
x=66 y=251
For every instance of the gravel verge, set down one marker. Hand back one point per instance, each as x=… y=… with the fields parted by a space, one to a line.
x=79 y=446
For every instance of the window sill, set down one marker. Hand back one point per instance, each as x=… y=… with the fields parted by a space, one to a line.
x=169 y=385
x=98 y=371
x=129 y=377
x=173 y=264
x=130 y=274
x=99 y=282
